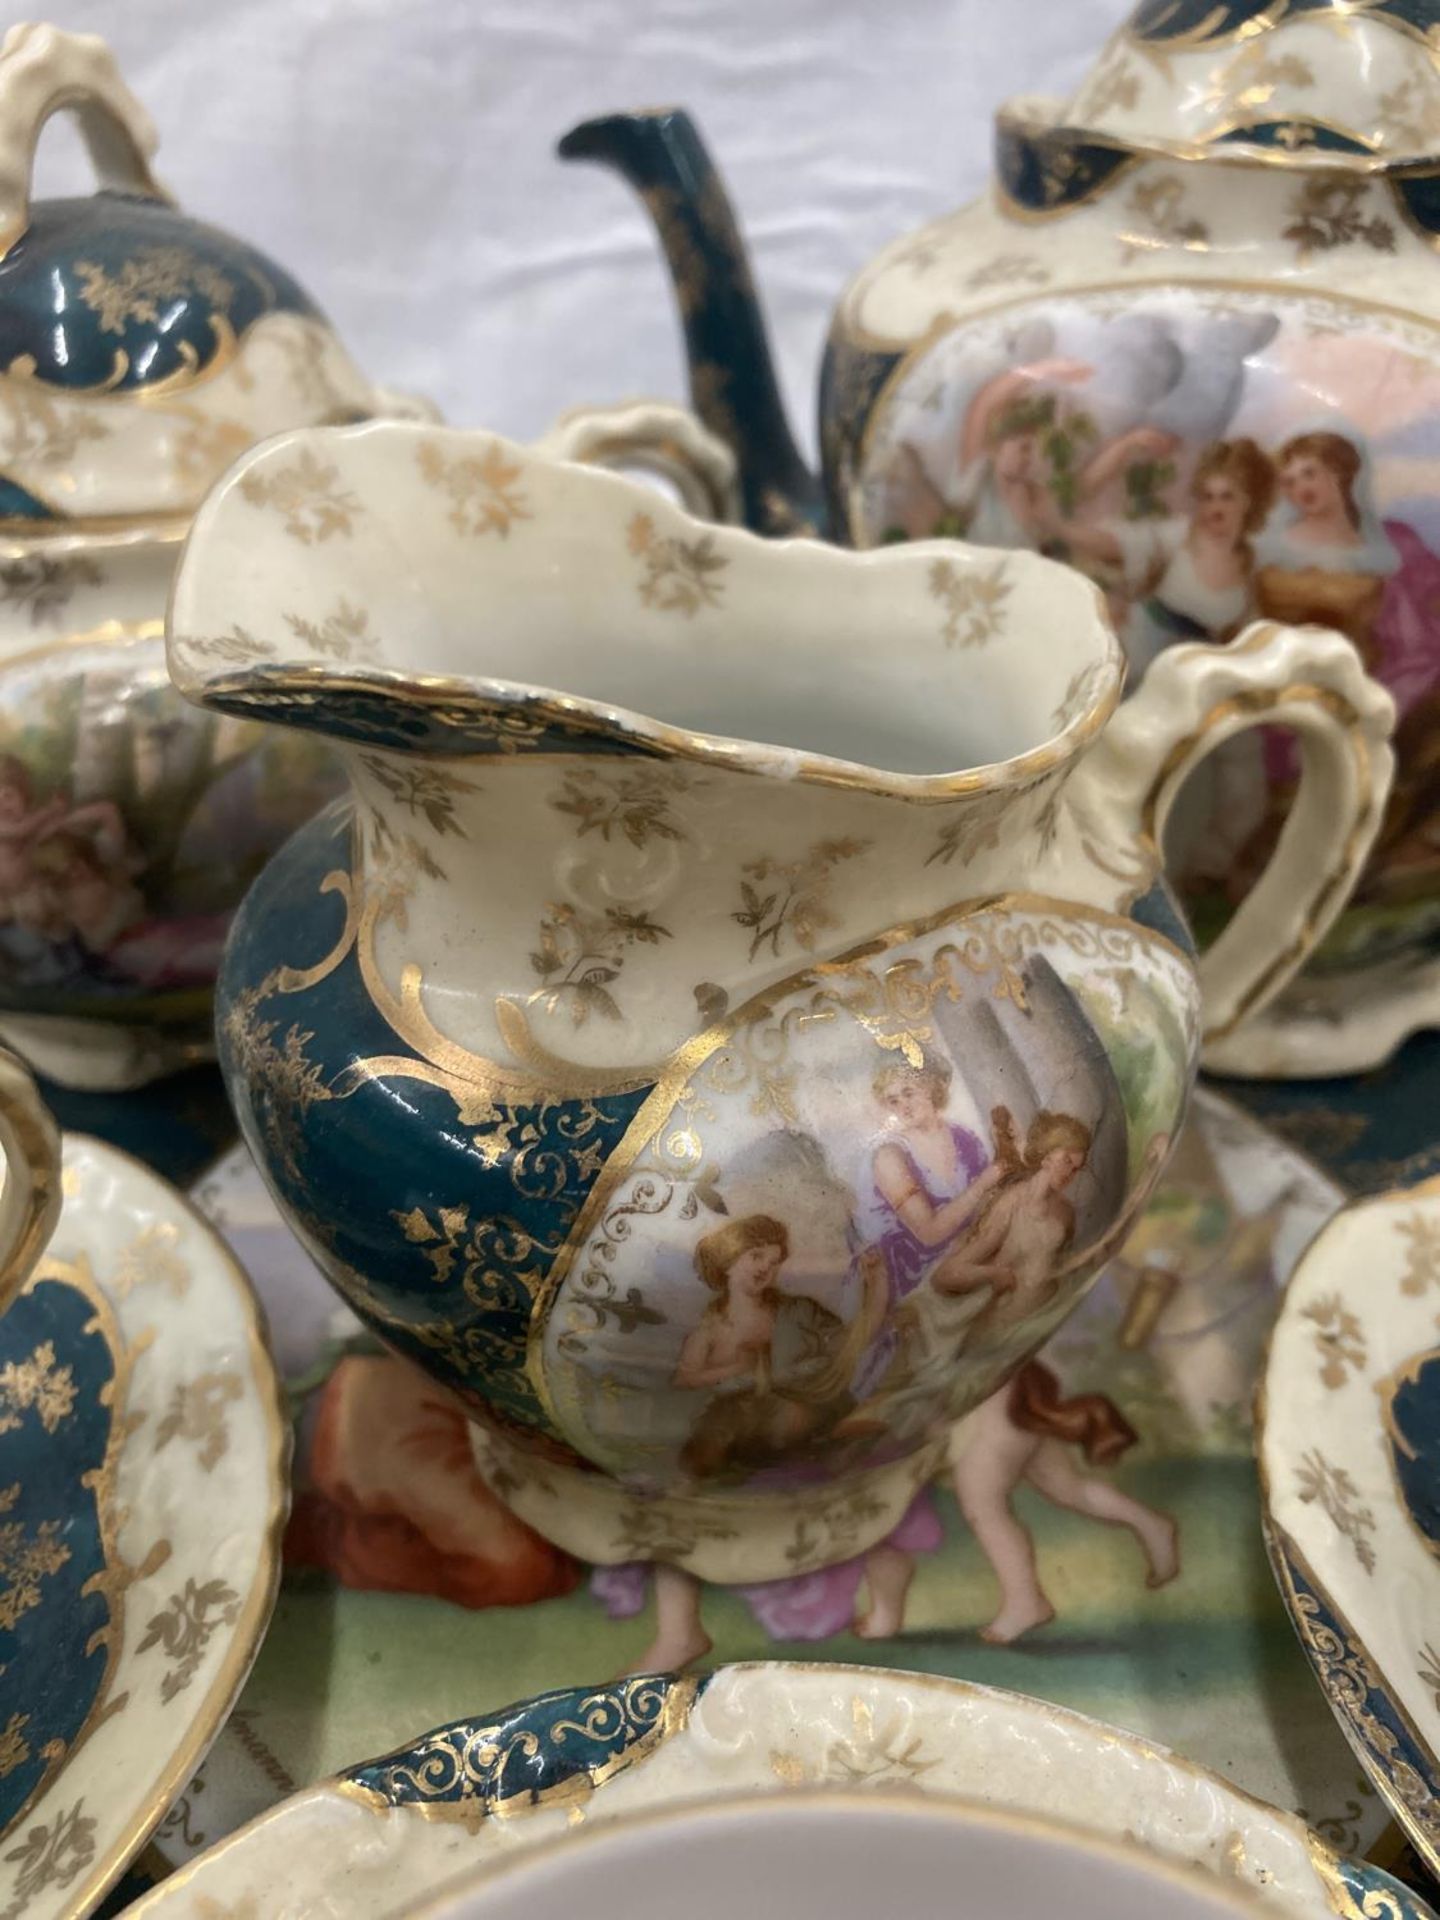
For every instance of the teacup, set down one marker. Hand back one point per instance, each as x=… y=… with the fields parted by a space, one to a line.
x=837 y=1855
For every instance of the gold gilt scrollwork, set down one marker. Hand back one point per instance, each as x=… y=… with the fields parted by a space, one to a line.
x=1350 y=1682
x=466 y=1772
x=38 y=1387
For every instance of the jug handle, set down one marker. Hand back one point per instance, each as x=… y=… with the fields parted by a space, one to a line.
x=658 y=438
x=1194 y=698
x=30 y=1197
x=43 y=71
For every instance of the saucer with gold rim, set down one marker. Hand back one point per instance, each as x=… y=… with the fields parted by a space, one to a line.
x=381 y=1837
x=143 y=1488
x=1349 y=1449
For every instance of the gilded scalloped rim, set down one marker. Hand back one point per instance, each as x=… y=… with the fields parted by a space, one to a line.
x=266 y=1400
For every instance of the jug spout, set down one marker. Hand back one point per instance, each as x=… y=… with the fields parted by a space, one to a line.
x=732 y=375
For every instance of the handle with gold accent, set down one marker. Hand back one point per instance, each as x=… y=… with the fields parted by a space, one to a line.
x=1192 y=700
x=45 y=71
x=30 y=1197
x=657 y=438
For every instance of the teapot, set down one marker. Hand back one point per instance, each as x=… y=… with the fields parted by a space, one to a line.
x=1187 y=342
x=738 y=1007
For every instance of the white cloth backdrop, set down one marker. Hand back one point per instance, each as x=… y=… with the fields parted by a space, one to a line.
x=397 y=156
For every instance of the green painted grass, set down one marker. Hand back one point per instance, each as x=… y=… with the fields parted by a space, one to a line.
x=1209 y=1665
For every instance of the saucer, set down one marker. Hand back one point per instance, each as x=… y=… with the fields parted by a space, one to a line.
x=1350 y=1461
x=383 y=1836
x=143 y=1455
x=399 y=1580
x=1331 y=1024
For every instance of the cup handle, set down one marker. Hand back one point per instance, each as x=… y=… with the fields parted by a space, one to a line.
x=30 y=1197
x=44 y=71
x=1193 y=699
x=657 y=438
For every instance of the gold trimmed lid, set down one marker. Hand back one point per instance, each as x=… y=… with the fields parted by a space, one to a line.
x=1306 y=81
x=140 y=350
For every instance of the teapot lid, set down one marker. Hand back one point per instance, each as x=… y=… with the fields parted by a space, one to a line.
x=1306 y=82
x=141 y=351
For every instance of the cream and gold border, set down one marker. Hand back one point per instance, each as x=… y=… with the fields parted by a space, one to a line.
x=248 y=1629
x=1323 y=1859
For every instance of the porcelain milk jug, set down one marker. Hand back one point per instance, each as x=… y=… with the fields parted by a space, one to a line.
x=737 y=1009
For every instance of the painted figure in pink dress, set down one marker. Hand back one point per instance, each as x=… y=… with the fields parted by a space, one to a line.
x=1331 y=560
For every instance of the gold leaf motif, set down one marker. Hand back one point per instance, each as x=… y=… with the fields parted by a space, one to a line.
x=204 y=446
x=974 y=601
x=309 y=496
x=483 y=489
x=792 y=897
x=238 y=647
x=1328 y=213
x=38 y=427
x=875 y=1754
x=14 y=1747
x=152 y=275
x=39 y=1384
x=287 y=1082
x=184 y=1628
x=1339 y=1339
x=634 y=805
x=1316 y=1480
x=679 y=576
x=1429 y=1670
x=1158 y=207
x=1422 y=1254
x=51 y=1856
x=43 y=585
x=425 y=792
x=151 y=1259
x=26 y=1561
x=1081 y=693
x=1414 y=113
x=978 y=827
x=1008 y=270
x=343 y=635
x=1251 y=80
x=419 y=1230
x=1115 y=83
x=197 y=1413
x=580 y=954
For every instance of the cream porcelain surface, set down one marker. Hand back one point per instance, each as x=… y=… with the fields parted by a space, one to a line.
x=340 y=1848
x=190 y=1493
x=1351 y=1470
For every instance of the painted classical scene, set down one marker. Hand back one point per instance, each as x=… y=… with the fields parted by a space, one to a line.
x=1208 y=464
x=396 y=1543
x=853 y=1227
x=129 y=826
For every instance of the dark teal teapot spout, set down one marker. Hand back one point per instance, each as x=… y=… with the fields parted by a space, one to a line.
x=732 y=376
